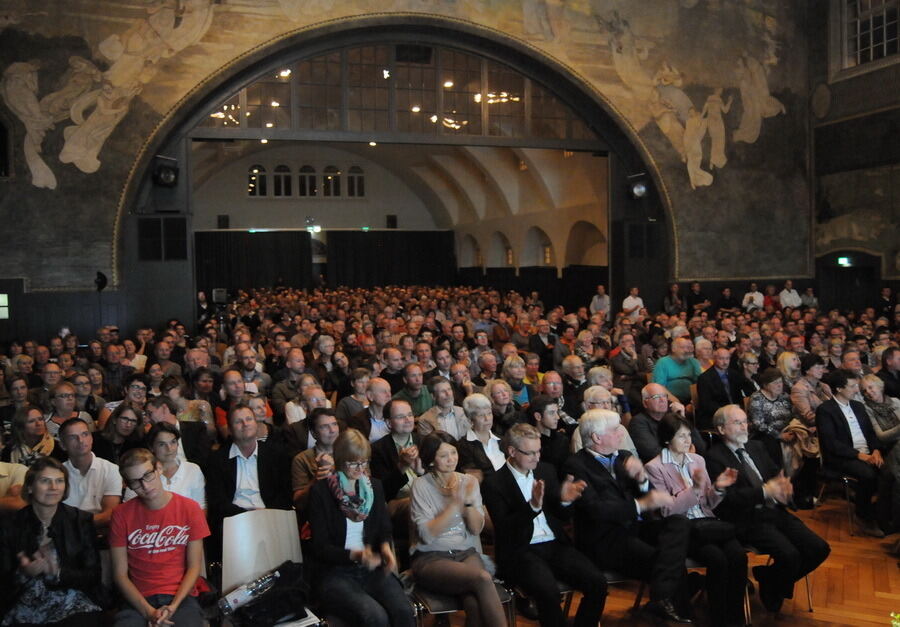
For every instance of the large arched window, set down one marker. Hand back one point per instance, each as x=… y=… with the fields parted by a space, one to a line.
x=331 y=181
x=256 y=181
x=419 y=89
x=281 y=181
x=356 y=182
x=307 y=181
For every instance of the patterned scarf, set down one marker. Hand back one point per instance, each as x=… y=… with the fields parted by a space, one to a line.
x=354 y=505
x=25 y=455
x=884 y=414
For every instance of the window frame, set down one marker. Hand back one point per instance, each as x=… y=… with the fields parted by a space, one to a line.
x=837 y=47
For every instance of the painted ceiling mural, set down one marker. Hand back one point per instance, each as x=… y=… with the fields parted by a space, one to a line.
x=694 y=79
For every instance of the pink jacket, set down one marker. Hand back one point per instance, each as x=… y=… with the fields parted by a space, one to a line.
x=667 y=477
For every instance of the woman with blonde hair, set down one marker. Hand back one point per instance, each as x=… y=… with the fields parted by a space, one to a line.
x=351 y=541
x=513 y=372
x=788 y=365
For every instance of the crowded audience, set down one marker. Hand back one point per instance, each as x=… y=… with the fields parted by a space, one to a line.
x=453 y=433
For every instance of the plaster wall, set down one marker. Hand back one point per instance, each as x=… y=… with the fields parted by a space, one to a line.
x=92 y=88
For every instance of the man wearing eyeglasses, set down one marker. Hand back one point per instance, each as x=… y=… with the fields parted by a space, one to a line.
x=156 y=545
x=94 y=483
x=396 y=463
x=528 y=507
x=644 y=426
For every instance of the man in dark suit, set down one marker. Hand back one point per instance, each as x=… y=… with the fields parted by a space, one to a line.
x=890 y=371
x=850 y=447
x=246 y=475
x=396 y=463
x=614 y=523
x=644 y=426
x=756 y=505
x=542 y=343
x=195 y=443
x=527 y=506
x=717 y=387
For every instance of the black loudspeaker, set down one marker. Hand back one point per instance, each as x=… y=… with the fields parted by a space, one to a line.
x=391 y=221
x=101 y=281
x=165 y=171
x=220 y=296
x=223 y=221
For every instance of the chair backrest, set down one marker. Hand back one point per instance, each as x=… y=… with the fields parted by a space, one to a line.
x=255 y=542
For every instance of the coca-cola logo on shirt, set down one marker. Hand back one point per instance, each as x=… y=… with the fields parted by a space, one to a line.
x=159 y=540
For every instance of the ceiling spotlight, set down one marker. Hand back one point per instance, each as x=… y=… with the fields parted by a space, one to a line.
x=275 y=103
x=415 y=108
x=448 y=84
x=373 y=143
x=638 y=184
x=284 y=73
x=269 y=125
x=386 y=73
x=264 y=141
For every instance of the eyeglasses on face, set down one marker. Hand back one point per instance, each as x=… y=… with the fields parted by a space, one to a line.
x=136 y=484
x=356 y=465
x=529 y=454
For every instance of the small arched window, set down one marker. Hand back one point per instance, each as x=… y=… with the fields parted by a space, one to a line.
x=307 y=181
x=256 y=181
x=331 y=181
x=356 y=182
x=281 y=180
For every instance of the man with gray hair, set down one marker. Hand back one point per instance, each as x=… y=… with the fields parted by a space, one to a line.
x=612 y=524
x=598 y=397
x=756 y=505
x=643 y=427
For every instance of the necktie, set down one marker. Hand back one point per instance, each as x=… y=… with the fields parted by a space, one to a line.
x=749 y=471
x=724 y=377
x=608 y=461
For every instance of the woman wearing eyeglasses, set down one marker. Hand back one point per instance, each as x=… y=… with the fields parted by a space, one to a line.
x=62 y=402
x=355 y=566
x=447 y=517
x=136 y=387
x=47 y=559
x=122 y=432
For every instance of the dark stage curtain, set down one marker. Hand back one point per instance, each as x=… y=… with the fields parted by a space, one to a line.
x=238 y=259
x=371 y=258
x=575 y=289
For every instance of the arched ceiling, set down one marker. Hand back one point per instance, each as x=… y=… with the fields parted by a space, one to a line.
x=459 y=185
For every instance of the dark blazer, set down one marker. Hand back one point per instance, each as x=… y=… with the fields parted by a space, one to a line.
x=295 y=437
x=329 y=526
x=196 y=441
x=834 y=432
x=512 y=515
x=891 y=382
x=361 y=422
x=73 y=533
x=473 y=457
x=555 y=450
x=711 y=394
x=536 y=346
x=384 y=464
x=742 y=497
x=643 y=431
x=606 y=512
x=273 y=468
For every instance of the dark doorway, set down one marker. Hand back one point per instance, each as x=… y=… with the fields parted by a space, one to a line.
x=848 y=279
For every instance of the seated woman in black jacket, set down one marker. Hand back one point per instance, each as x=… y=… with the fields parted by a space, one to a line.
x=351 y=535
x=47 y=557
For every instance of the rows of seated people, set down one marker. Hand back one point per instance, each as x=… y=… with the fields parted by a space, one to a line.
x=426 y=429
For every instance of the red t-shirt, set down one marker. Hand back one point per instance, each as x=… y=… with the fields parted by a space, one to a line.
x=157 y=541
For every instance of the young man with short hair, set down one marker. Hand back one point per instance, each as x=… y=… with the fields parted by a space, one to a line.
x=156 y=543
